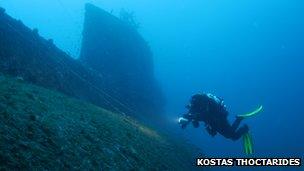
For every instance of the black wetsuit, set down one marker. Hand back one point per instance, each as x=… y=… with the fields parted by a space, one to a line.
x=214 y=114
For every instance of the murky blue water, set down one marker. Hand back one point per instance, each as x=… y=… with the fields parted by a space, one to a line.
x=248 y=52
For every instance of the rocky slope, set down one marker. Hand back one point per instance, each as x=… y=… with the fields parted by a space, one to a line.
x=24 y=53
x=45 y=130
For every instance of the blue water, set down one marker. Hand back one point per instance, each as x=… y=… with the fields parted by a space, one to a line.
x=249 y=52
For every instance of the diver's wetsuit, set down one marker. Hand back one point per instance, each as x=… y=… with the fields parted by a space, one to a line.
x=212 y=111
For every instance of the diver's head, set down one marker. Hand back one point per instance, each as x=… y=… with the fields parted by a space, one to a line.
x=197 y=98
x=198 y=101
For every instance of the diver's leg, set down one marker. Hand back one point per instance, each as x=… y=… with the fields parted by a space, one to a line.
x=231 y=131
x=240 y=132
x=223 y=127
x=236 y=123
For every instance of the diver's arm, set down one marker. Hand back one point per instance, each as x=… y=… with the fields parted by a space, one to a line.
x=211 y=131
x=188 y=116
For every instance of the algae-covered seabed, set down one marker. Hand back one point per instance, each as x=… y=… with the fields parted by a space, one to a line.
x=43 y=129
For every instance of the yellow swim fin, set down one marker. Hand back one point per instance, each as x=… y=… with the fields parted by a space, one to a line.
x=248 y=144
x=256 y=111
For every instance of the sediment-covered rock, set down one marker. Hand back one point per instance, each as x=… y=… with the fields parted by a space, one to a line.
x=45 y=130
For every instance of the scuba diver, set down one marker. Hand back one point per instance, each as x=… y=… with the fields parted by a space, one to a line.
x=211 y=110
